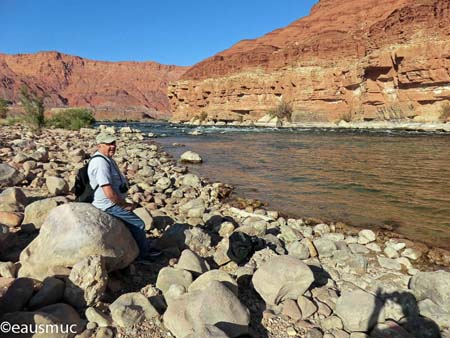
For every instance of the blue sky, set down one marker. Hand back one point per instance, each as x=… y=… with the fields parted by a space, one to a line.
x=170 y=32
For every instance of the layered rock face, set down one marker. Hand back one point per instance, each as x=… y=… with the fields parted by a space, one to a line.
x=112 y=89
x=352 y=60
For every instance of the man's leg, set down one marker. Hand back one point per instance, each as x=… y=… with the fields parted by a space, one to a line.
x=134 y=224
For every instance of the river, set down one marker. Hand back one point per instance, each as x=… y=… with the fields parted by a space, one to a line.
x=364 y=178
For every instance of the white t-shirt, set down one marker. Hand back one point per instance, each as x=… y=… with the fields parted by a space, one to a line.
x=102 y=171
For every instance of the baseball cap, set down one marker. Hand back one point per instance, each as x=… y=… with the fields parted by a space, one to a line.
x=105 y=138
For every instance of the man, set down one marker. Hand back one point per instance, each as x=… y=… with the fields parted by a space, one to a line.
x=111 y=189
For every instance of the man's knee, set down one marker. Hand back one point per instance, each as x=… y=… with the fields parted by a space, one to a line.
x=138 y=222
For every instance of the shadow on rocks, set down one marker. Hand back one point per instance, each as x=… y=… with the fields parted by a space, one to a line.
x=17 y=241
x=256 y=305
x=412 y=325
x=321 y=276
x=161 y=222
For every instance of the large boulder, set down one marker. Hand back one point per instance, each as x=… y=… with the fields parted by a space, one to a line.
x=215 y=305
x=73 y=232
x=209 y=331
x=282 y=277
x=9 y=176
x=359 y=310
x=432 y=285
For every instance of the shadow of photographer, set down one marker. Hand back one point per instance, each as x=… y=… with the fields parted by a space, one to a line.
x=398 y=316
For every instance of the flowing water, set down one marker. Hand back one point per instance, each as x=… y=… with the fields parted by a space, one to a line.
x=364 y=178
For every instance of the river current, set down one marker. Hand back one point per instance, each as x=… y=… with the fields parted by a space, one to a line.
x=364 y=178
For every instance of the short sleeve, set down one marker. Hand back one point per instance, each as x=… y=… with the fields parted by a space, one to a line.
x=99 y=168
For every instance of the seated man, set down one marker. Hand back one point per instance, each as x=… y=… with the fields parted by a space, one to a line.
x=110 y=190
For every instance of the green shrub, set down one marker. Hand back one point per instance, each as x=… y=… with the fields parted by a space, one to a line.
x=73 y=119
x=445 y=112
x=282 y=111
x=33 y=106
x=12 y=120
x=3 y=108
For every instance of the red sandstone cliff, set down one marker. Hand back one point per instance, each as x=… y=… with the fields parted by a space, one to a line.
x=112 y=89
x=358 y=59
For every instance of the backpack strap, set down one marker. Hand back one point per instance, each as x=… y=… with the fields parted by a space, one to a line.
x=109 y=164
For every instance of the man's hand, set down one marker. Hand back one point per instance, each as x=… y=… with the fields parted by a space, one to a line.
x=116 y=199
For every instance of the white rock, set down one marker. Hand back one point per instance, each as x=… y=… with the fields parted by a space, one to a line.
x=390 y=252
x=321 y=229
x=366 y=236
x=412 y=254
x=373 y=247
x=389 y=263
x=191 y=157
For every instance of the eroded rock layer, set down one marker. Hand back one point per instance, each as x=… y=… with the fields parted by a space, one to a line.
x=352 y=60
x=113 y=89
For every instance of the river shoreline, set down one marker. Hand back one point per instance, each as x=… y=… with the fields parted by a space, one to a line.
x=346 y=262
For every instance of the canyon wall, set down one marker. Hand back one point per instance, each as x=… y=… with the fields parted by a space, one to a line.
x=113 y=90
x=349 y=59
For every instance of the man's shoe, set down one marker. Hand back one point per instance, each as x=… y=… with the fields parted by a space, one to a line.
x=150 y=255
x=152 y=252
x=143 y=261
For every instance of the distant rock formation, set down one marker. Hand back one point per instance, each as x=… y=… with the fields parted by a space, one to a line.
x=114 y=90
x=348 y=60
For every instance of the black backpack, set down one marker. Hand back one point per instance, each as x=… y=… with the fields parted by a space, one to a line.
x=242 y=246
x=83 y=190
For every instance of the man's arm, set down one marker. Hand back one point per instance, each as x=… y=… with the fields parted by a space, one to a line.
x=116 y=199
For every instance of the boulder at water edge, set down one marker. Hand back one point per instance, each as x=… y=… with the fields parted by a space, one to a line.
x=73 y=232
x=215 y=305
x=191 y=157
x=432 y=285
x=282 y=277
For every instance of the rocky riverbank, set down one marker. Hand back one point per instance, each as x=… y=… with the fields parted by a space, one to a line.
x=70 y=264
x=275 y=122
